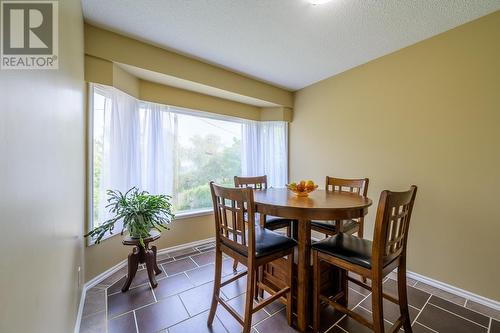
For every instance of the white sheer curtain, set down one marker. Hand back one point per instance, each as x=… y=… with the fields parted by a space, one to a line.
x=121 y=162
x=265 y=151
x=137 y=146
x=157 y=148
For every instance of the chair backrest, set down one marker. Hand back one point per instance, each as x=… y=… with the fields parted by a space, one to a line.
x=391 y=225
x=258 y=183
x=231 y=205
x=359 y=186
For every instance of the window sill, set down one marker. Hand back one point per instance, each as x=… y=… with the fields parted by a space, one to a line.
x=91 y=241
x=193 y=213
x=178 y=216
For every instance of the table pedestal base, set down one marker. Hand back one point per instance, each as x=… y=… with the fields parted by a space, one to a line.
x=274 y=275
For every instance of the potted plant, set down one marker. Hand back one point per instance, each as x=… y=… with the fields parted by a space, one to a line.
x=140 y=212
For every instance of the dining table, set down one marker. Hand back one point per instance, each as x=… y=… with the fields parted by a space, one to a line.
x=318 y=205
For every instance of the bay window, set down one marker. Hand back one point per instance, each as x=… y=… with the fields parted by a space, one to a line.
x=176 y=151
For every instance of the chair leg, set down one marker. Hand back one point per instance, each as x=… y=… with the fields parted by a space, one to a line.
x=259 y=292
x=217 y=282
x=403 y=298
x=235 y=265
x=247 y=318
x=344 y=287
x=289 y=297
x=316 y=292
x=377 y=305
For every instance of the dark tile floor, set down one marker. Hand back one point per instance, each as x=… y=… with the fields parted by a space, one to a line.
x=181 y=301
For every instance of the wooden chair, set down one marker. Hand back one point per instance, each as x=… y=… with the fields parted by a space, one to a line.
x=330 y=228
x=373 y=260
x=249 y=244
x=260 y=183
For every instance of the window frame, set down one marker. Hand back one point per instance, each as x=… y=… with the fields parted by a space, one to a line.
x=103 y=90
x=207 y=115
x=92 y=88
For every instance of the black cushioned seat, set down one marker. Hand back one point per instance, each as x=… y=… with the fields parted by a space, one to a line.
x=349 y=248
x=348 y=225
x=273 y=222
x=267 y=242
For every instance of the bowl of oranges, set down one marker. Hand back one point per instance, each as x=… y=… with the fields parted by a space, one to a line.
x=302 y=188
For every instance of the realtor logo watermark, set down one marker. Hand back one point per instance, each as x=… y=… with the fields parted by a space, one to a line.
x=29 y=35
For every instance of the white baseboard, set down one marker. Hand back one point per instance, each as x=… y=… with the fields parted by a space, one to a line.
x=80 y=309
x=434 y=283
x=455 y=291
x=93 y=282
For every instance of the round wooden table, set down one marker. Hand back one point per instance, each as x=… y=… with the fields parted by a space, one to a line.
x=319 y=205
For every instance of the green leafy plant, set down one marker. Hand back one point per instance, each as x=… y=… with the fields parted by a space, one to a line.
x=140 y=212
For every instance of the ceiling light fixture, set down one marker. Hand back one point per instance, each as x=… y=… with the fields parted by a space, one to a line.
x=318 y=2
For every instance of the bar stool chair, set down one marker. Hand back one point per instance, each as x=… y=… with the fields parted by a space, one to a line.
x=252 y=246
x=373 y=260
x=330 y=228
x=271 y=222
x=260 y=183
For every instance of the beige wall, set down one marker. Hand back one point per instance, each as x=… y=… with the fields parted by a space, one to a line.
x=102 y=71
x=162 y=94
x=428 y=115
x=120 y=49
x=42 y=187
x=110 y=252
x=126 y=82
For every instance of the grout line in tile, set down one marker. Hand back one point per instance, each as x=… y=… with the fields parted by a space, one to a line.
x=362 y=307
x=463 y=306
x=136 y=324
x=123 y=314
x=457 y=315
x=134 y=287
x=338 y=321
x=343 y=330
x=357 y=292
x=411 y=306
x=489 y=325
x=341 y=318
x=274 y=314
x=423 y=307
x=138 y=308
x=425 y=326
x=185 y=307
x=194 y=262
x=222 y=323
x=264 y=308
x=153 y=291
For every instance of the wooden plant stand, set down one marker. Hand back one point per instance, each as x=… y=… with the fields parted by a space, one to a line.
x=142 y=255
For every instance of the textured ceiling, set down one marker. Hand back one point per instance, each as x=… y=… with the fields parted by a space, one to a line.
x=289 y=43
